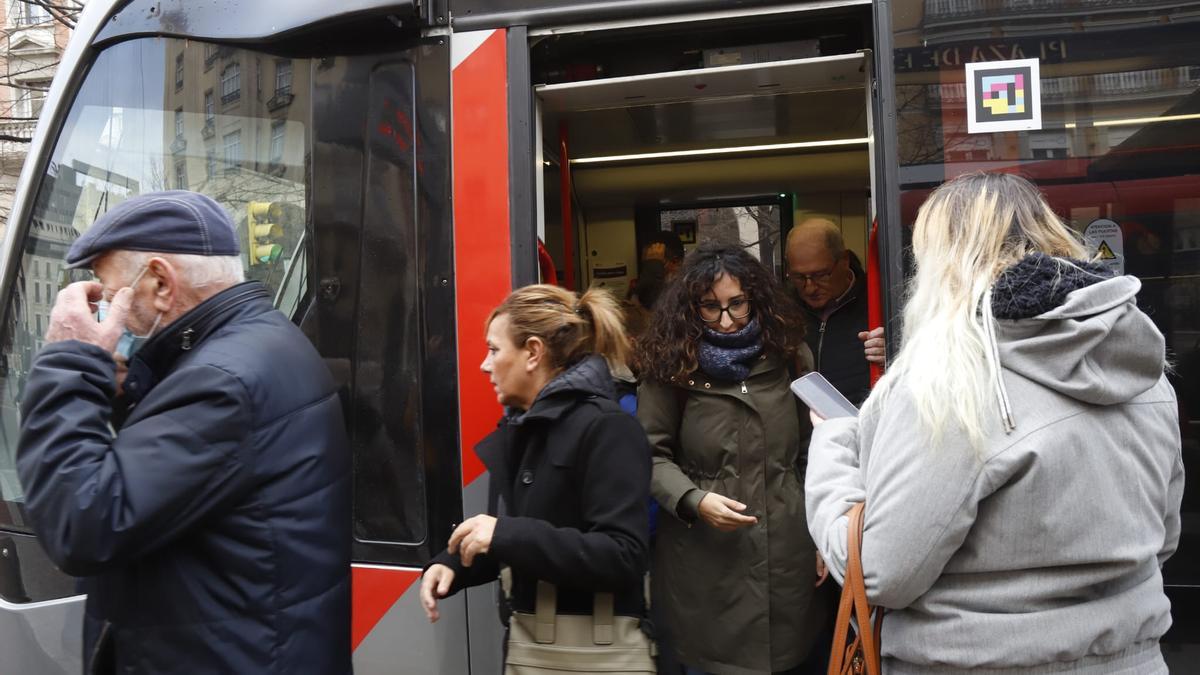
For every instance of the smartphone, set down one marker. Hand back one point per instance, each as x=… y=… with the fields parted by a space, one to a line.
x=822 y=398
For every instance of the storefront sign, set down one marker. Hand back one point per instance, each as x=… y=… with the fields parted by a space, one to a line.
x=1003 y=96
x=937 y=57
x=1107 y=244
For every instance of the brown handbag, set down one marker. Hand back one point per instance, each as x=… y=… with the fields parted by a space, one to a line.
x=861 y=655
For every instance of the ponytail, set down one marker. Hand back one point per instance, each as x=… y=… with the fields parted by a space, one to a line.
x=608 y=337
x=572 y=327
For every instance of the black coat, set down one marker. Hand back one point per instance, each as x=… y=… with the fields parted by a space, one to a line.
x=213 y=531
x=571 y=479
x=837 y=351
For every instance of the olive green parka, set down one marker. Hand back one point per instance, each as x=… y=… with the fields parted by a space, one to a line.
x=736 y=602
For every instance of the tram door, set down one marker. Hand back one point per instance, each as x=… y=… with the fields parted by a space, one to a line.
x=734 y=142
x=336 y=171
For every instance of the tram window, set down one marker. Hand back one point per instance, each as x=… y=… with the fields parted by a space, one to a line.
x=131 y=131
x=759 y=226
x=1120 y=105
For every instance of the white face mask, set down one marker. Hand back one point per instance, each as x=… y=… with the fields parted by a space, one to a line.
x=128 y=343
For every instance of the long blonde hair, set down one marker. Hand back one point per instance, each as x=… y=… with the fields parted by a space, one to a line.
x=571 y=326
x=968 y=231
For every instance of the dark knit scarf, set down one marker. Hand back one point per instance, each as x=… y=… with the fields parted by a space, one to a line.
x=1039 y=283
x=729 y=356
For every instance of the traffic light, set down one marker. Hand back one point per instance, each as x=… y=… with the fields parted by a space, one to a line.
x=264 y=233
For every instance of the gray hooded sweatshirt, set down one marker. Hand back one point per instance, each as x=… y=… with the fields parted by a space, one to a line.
x=1042 y=552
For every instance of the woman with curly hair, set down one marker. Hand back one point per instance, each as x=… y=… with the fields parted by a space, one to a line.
x=734 y=569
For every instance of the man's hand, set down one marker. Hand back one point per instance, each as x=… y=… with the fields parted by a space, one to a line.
x=435 y=584
x=874 y=345
x=72 y=318
x=472 y=538
x=724 y=513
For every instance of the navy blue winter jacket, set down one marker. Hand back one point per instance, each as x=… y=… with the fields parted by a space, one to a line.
x=213 y=530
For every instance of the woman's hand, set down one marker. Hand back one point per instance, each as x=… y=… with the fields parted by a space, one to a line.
x=817 y=420
x=822 y=570
x=472 y=538
x=723 y=513
x=435 y=584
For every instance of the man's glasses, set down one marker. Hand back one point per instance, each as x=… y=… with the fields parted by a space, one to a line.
x=710 y=312
x=817 y=278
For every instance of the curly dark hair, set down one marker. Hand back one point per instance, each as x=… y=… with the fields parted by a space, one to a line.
x=668 y=348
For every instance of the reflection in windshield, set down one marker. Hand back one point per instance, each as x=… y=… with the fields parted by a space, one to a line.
x=160 y=114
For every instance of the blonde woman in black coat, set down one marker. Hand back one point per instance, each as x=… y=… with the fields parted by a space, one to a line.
x=570 y=469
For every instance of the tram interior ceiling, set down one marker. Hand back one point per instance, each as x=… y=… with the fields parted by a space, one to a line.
x=736 y=133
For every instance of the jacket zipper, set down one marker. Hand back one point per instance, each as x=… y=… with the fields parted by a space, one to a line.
x=820 y=345
x=744 y=389
x=99 y=645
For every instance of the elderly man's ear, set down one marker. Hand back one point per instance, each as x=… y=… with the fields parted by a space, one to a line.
x=166 y=292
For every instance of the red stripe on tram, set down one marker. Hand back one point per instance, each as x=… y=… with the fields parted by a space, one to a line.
x=482 y=247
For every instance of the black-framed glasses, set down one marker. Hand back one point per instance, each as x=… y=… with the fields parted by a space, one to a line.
x=710 y=312
x=817 y=278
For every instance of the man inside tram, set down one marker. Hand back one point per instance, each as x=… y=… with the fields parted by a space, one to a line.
x=832 y=288
x=659 y=263
x=212 y=528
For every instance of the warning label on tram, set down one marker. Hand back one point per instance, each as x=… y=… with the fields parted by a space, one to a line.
x=1106 y=243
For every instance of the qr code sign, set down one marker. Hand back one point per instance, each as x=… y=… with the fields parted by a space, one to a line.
x=1003 y=96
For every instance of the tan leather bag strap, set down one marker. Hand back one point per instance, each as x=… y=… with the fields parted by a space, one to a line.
x=854 y=604
x=543 y=614
x=602 y=618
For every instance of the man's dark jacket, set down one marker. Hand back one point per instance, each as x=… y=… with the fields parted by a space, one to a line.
x=837 y=351
x=213 y=530
x=573 y=475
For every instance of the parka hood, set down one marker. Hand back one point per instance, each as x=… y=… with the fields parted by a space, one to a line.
x=589 y=377
x=1072 y=328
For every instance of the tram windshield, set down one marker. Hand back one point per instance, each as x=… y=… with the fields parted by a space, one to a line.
x=158 y=114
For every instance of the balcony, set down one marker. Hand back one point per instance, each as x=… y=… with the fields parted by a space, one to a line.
x=209 y=130
x=178 y=145
x=281 y=99
x=232 y=96
x=15 y=137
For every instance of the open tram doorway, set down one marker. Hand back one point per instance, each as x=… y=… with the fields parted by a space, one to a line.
x=742 y=141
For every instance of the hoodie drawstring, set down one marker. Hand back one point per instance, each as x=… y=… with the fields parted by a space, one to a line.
x=992 y=349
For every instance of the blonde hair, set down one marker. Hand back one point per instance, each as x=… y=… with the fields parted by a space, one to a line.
x=967 y=233
x=571 y=326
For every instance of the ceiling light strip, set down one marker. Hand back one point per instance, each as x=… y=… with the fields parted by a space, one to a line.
x=736 y=150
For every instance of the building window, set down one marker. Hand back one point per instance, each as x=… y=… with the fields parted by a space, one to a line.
x=181 y=174
x=30 y=97
x=210 y=111
x=179 y=123
x=29 y=13
x=210 y=53
x=277 y=139
x=283 y=77
x=179 y=72
x=37 y=293
x=210 y=164
x=233 y=151
x=38 y=317
x=231 y=83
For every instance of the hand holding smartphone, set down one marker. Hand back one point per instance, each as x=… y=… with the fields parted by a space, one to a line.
x=822 y=397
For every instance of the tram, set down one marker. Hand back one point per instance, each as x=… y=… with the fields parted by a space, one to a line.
x=396 y=167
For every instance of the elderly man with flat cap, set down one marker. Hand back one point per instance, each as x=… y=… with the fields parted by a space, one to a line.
x=211 y=528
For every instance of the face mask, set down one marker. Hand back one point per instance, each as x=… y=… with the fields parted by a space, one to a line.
x=128 y=343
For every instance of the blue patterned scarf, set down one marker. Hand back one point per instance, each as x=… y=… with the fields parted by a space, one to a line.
x=729 y=356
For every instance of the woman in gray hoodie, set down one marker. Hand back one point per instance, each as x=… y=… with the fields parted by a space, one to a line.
x=1020 y=461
